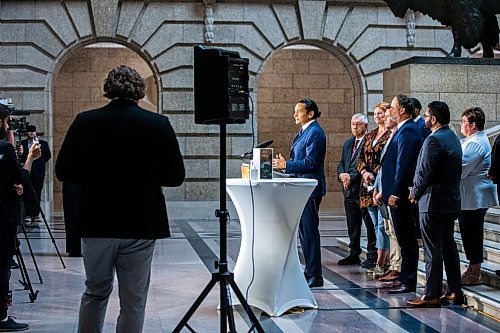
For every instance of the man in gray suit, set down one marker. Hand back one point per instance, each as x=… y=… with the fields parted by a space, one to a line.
x=436 y=188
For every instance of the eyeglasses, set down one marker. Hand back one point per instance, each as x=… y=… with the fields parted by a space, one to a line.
x=464 y=121
x=357 y=124
x=426 y=115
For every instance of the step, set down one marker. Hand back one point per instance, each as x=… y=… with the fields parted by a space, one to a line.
x=491 y=231
x=493 y=215
x=485 y=297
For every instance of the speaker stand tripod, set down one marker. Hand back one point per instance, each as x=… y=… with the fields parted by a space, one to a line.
x=224 y=277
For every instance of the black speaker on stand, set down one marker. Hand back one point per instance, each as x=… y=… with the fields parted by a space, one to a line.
x=221 y=97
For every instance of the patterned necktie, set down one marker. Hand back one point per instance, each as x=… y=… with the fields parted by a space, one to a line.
x=355 y=148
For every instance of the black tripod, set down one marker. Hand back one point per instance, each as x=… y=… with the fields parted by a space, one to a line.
x=26 y=282
x=223 y=276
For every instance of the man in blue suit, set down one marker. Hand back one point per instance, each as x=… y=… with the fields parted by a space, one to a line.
x=307 y=160
x=398 y=168
x=436 y=188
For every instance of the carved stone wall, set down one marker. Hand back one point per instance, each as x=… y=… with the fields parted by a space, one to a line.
x=37 y=37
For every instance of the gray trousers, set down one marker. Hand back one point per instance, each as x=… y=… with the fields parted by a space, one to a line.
x=131 y=259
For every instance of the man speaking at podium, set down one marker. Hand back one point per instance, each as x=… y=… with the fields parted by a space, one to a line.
x=307 y=159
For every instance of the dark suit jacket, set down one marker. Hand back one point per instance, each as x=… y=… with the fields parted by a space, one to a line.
x=120 y=156
x=10 y=174
x=38 y=167
x=350 y=165
x=398 y=162
x=307 y=158
x=436 y=184
x=494 y=171
x=425 y=132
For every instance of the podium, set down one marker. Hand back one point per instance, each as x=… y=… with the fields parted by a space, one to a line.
x=279 y=282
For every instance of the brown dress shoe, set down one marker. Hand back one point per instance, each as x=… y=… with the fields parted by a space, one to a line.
x=390 y=285
x=457 y=298
x=424 y=303
x=471 y=280
x=392 y=276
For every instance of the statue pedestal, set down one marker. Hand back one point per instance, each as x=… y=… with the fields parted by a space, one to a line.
x=460 y=82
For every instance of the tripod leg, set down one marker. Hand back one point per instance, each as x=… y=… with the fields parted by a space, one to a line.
x=229 y=306
x=51 y=237
x=45 y=221
x=24 y=272
x=32 y=254
x=246 y=307
x=21 y=269
x=195 y=305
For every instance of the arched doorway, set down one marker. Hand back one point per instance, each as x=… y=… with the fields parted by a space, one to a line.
x=77 y=87
x=305 y=71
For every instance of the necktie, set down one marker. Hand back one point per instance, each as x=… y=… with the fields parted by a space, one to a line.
x=355 y=148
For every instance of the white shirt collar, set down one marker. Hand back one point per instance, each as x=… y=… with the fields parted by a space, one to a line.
x=417 y=118
x=306 y=125
x=403 y=122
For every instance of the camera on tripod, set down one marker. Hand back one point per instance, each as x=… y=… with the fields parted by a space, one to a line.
x=17 y=121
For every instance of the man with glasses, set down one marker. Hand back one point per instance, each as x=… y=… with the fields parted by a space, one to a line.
x=350 y=178
x=436 y=188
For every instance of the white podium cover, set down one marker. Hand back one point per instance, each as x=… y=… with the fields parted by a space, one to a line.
x=279 y=283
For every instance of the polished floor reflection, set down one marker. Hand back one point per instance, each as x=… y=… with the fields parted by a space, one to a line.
x=349 y=301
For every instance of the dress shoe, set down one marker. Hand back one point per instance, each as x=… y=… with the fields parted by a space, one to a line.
x=402 y=289
x=392 y=276
x=315 y=281
x=368 y=264
x=390 y=285
x=424 y=303
x=349 y=260
x=471 y=280
x=457 y=298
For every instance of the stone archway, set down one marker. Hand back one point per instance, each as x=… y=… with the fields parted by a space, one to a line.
x=304 y=71
x=77 y=86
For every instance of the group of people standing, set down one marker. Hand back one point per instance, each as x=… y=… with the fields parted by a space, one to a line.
x=411 y=178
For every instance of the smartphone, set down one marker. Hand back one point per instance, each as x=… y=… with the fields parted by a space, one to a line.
x=35 y=140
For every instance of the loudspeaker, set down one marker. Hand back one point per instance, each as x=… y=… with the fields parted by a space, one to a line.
x=220 y=86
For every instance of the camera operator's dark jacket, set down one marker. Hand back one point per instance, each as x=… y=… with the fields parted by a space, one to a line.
x=120 y=156
x=10 y=174
x=37 y=173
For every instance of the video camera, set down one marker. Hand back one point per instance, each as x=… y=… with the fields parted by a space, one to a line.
x=17 y=121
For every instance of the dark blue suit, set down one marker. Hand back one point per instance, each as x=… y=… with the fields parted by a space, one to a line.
x=398 y=168
x=436 y=186
x=307 y=160
x=354 y=213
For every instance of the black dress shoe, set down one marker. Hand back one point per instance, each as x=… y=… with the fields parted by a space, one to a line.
x=402 y=289
x=368 y=264
x=315 y=281
x=350 y=260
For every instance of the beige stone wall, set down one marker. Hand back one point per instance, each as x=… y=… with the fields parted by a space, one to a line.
x=78 y=87
x=293 y=74
x=474 y=82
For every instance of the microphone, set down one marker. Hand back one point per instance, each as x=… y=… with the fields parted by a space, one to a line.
x=249 y=154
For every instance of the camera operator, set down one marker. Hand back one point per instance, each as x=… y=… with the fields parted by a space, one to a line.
x=33 y=191
x=11 y=177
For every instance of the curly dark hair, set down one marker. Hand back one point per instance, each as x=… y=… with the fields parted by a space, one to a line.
x=124 y=82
